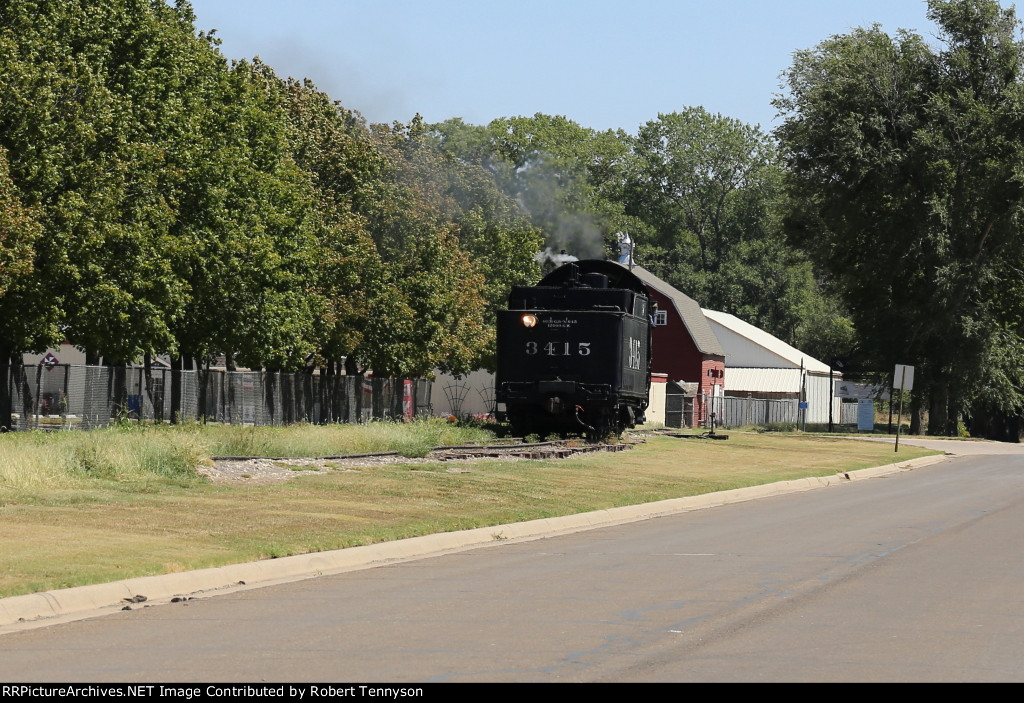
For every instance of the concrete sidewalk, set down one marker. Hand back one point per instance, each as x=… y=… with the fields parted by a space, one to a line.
x=51 y=607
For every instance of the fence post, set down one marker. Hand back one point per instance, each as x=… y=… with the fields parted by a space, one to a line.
x=39 y=390
x=356 y=390
x=26 y=398
x=64 y=396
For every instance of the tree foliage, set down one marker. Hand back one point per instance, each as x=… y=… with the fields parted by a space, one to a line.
x=907 y=163
x=708 y=192
x=709 y=176
x=435 y=281
x=333 y=147
x=159 y=200
x=155 y=199
x=244 y=241
x=28 y=315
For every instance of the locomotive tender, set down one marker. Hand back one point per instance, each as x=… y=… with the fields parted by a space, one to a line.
x=574 y=352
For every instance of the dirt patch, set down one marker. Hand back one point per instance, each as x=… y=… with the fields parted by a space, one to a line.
x=269 y=471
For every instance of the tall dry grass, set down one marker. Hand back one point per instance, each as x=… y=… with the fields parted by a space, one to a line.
x=39 y=460
x=133 y=454
x=408 y=439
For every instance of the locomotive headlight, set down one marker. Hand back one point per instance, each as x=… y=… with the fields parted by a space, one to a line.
x=529 y=320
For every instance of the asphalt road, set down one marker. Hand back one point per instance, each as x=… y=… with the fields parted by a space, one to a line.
x=917 y=576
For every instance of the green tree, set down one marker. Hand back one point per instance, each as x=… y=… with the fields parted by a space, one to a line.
x=92 y=117
x=489 y=225
x=27 y=320
x=436 y=301
x=333 y=146
x=906 y=160
x=28 y=314
x=394 y=290
x=244 y=244
x=708 y=190
x=707 y=177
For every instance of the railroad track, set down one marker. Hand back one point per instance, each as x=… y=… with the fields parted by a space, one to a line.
x=535 y=450
x=261 y=470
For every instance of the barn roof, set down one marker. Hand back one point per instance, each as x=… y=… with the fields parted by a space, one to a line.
x=745 y=343
x=689 y=311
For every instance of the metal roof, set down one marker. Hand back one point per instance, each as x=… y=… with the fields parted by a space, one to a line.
x=788 y=356
x=762 y=380
x=689 y=311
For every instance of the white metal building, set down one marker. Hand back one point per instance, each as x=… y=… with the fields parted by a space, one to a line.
x=760 y=365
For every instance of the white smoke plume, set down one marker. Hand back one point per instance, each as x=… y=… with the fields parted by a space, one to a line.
x=548 y=256
x=545 y=198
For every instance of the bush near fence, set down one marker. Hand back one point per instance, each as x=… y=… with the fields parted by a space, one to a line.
x=85 y=397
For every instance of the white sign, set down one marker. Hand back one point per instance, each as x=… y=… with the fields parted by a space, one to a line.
x=903 y=379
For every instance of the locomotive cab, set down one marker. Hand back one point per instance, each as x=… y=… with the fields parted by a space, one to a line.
x=574 y=352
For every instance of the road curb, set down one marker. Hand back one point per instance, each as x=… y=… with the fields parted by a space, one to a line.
x=37 y=609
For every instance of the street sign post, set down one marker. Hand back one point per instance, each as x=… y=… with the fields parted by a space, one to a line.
x=903 y=379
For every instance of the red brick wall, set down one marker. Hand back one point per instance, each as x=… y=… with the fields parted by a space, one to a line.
x=712 y=374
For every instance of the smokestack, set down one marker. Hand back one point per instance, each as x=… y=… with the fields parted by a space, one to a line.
x=625 y=249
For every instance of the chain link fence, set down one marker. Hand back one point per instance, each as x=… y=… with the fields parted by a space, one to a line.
x=85 y=397
x=680 y=411
x=763 y=412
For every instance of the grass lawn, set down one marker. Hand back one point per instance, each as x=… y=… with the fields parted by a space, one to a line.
x=79 y=526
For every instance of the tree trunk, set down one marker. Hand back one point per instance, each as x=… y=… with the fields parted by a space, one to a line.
x=269 y=396
x=953 y=415
x=117 y=391
x=916 y=411
x=287 y=380
x=355 y=386
x=147 y=372
x=21 y=379
x=327 y=380
x=338 y=385
x=175 y=390
x=228 y=400
x=203 y=373
x=938 y=398
x=993 y=423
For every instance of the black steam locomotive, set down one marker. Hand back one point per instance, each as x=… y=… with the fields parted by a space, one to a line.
x=574 y=352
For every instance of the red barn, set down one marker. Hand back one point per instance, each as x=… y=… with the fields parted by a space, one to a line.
x=683 y=345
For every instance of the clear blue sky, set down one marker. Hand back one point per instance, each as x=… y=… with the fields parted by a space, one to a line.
x=602 y=63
